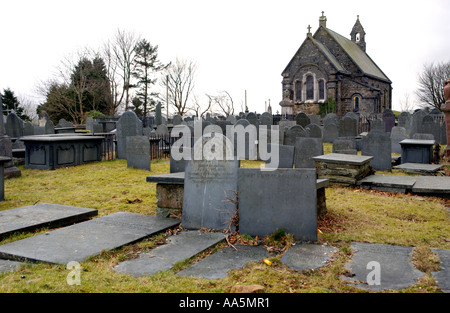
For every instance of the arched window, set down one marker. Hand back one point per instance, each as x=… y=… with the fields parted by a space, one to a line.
x=321 y=89
x=298 y=90
x=358 y=37
x=309 y=87
x=356 y=101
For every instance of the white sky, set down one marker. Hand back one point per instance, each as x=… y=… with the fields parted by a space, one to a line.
x=238 y=45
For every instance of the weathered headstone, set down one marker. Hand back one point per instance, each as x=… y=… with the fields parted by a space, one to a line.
x=306 y=256
x=330 y=118
x=348 y=127
x=378 y=145
x=291 y=134
x=330 y=133
x=158 y=119
x=210 y=181
x=345 y=146
x=314 y=131
x=162 y=130
x=177 y=119
x=138 y=152
x=261 y=213
x=14 y=126
x=49 y=127
x=43 y=118
x=378 y=125
x=28 y=129
x=389 y=120
x=429 y=126
x=127 y=125
x=416 y=122
x=404 y=120
x=302 y=119
x=305 y=149
x=247 y=148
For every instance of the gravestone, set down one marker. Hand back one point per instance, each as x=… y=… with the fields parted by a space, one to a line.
x=330 y=133
x=62 y=123
x=177 y=248
x=330 y=118
x=177 y=120
x=355 y=117
x=158 y=119
x=9 y=169
x=49 y=127
x=14 y=126
x=252 y=119
x=283 y=126
x=348 y=127
x=285 y=156
x=28 y=129
x=314 y=131
x=127 y=125
x=345 y=146
x=162 y=130
x=314 y=119
x=261 y=213
x=302 y=119
x=378 y=145
x=232 y=119
x=177 y=166
x=429 y=126
x=246 y=150
x=30 y=218
x=416 y=122
x=80 y=241
x=305 y=149
x=306 y=256
x=93 y=126
x=292 y=133
x=378 y=125
x=209 y=183
x=138 y=152
x=404 y=120
x=388 y=119
x=397 y=134
x=43 y=118
x=421 y=136
x=219 y=263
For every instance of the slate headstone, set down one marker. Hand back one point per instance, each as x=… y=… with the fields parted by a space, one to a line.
x=404 y=120
x=305 y=150
x=314 y=131
x=261 y=213
x=127 y=125
x=429 y=126
x=302 y=119
x=49 y=127
x=389 y=120
x=177 y=119
x=292 y=133
x=348 y=127
x=397 y=135
x=330 y=118
x=158 y=119
x=28 y=129
x=330 y=133
x=138 y=152
x=378 y=145
x=304 y=256
x=285 y=156
x=343 y=145
x=209 y=183
x=416 y=122
x=14 y=126
x=162 y=130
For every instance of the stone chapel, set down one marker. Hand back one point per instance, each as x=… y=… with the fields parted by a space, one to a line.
x=330 y=67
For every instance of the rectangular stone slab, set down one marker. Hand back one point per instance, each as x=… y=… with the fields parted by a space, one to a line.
x=343 y=158
x=80 y=241
x=218 y=264
x=388 y=183
x=432 y=185
x=49 y=215
x=179 y=248
x=172 y=178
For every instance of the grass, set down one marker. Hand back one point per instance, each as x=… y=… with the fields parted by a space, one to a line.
x=353 y=215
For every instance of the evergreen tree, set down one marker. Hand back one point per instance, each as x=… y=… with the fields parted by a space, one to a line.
x=146 y=65
x=11 y=103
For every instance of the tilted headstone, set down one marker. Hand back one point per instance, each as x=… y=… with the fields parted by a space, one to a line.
x=292 y=133
x=302 y=119
x=127 y=125
x=330 y=133
x=261 y=213
x=209 y=185
x=14 y=126
x=378 y=145
x=348 y=127
x=138 y=152
x=305 y=150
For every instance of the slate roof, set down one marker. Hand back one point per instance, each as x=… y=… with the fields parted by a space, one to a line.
x=361 y=59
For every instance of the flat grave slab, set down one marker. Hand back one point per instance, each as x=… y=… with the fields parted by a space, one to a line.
x=396 y=269
x=443 y=276
x=307 y=256
x=388 y=183
x=343 y=158
x=80 y=241
x=179 y=248
x=32 y=217
x=9 y=266
x=172 y=178
x=432 y=185
x=218 y=264
x=419 y=168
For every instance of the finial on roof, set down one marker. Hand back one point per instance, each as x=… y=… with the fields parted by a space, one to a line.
x=323 y=20
x=309 y=30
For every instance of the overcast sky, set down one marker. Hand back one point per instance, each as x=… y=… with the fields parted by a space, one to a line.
x=239 y=46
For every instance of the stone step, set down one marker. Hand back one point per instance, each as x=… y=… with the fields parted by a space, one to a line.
x=49 y=215
x=178 y=248
x=80 y=241
x=218 y=264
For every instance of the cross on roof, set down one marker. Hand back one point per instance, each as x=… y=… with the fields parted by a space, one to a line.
x=309 y=28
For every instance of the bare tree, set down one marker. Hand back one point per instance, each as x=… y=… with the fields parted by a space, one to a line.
x=406 y=103
x=225 y=102
x=199 y=109
x=180 y=84
x=118 y=55
x=431 y=84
